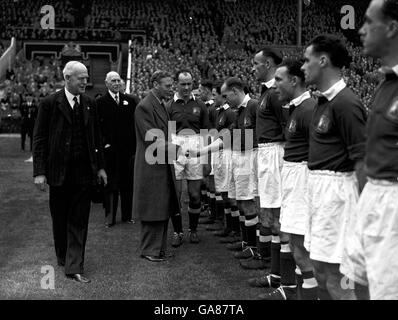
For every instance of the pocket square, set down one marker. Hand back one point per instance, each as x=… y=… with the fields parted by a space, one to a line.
x=125 y=103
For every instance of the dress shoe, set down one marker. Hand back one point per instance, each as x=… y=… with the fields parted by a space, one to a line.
x=153 y=258
x=78 y=277
x=130 y=221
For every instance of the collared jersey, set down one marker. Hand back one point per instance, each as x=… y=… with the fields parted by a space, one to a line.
x=244 y=129
x=337 y=133
x=225 y=123
x=212 y=110
x=297 y=131
x=191 y=115
x=382 y=132
x=271 y=118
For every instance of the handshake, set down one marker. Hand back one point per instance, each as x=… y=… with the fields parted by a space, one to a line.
x=190 y=153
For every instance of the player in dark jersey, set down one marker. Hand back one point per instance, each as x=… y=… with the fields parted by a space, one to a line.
x=270 y=123
x=336 y=149
x=371 y=245
x=190 y=116
x=215 y=200
x=222 y=156
x=290 y=86
x=239 y=136
x=225 y=118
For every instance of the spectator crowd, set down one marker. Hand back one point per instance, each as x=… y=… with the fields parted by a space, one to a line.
x=216 y=39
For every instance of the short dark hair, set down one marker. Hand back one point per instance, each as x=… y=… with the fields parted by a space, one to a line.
x=207 y=84
x=159 y=75
x=390 y=9
x=184 y=70
x=234 y=82
x=334 y=47
x=274 y=54
x=293 y=67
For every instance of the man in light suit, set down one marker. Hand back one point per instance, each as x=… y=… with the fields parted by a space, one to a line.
x=68 y=156
x=116 y=112
x=155 y=197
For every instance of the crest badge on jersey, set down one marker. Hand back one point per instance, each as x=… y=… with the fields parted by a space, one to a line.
x=323 y=124
x=221 y=121
x=247 y=122
x=263 y=104
x=392 y=112
x=292 y=126
x=196 y=111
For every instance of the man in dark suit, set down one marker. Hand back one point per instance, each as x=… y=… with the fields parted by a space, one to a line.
x=155 y=195
x=28 y=112
x=68 y=156
x=116 y=112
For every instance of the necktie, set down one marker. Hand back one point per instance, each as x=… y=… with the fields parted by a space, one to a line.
x=76 y=105
x=263 y=88
x=117 y=99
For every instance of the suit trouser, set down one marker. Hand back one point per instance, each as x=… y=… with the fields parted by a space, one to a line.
x=70 y=209
x=26 y=131
x=153 y=237
x=126 y=192
x=126 y=196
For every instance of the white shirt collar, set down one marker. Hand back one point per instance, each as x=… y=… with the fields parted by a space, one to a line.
x=70 y=97
x=395 y=69
x=245 y=101
x=269 y=84
x=114 y=94
x=177 y=97
x=300 y=99
x=386 y=69
x=211 y=101
x=334 y=90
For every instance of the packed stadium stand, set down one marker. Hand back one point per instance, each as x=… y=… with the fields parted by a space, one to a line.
x=216 y=39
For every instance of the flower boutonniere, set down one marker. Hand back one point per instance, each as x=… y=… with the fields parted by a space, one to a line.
x=125 y=103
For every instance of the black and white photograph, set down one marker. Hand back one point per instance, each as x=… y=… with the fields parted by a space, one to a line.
x=205 y=155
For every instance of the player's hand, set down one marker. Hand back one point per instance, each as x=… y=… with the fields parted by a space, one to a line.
x=40 y=182
x=192 y=153
x=102 y=177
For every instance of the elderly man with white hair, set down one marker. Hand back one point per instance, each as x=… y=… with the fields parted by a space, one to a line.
x=68 y=156
x=116 y=111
